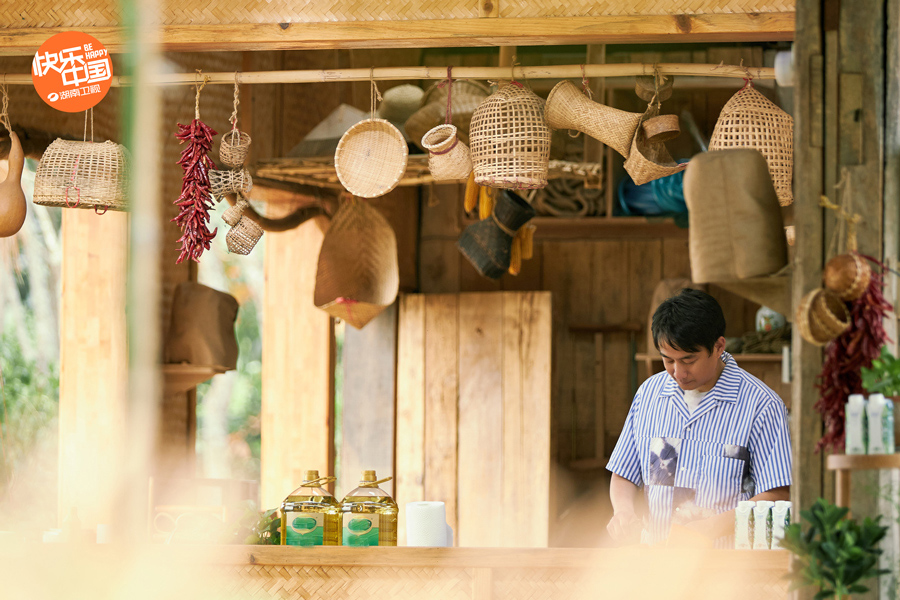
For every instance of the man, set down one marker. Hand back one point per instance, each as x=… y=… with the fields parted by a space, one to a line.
x=699 y=437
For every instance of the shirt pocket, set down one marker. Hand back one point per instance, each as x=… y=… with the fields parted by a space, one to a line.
x=719 y=485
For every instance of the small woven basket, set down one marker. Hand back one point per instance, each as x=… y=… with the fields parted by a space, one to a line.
x=750 y=120
x=448 y=158
x=233 y=214
x=647 y=161
x=243 y=236
x=234 y=148
x=371 y=158
x=232 y=181
x=358 y=274
x=400 y=102
x=83 y=175
x=821 y=317
x=568 y=108
x=510 y=140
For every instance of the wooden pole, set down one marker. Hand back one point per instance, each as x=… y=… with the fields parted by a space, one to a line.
x=405 y=73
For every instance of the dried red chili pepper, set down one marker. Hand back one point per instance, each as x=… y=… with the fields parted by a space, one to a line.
x=195 y=200
x=848 y=353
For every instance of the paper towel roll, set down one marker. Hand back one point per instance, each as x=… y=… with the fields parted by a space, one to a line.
x=426 y=524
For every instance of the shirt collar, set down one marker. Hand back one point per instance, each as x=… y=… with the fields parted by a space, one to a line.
x=726 y=387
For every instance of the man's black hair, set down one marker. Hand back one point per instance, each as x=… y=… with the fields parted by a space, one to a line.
x=689 y=321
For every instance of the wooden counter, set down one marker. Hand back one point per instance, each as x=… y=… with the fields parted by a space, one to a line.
x=242 y=572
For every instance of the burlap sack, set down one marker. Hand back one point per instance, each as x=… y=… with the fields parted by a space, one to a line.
x=736 y=229
x=201 y=331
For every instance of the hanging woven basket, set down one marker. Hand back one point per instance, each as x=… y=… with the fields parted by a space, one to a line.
x=358 y=274
x=750 y=120
x=234 y=148
x=448 y=158
x=243 y=236
x=371 y=158
x=509 y=140
x=467 y=96
x=83 y=175
x=231 y=181
x=821 y=317
x=648 y=161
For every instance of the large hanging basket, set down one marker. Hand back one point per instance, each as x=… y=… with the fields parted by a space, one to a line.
x=83 y=175
x=750 y=120
x=509 y=140
x=358 y=274
x=371 y=158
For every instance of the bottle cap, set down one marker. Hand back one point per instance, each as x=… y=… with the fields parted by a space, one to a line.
x=312 y=474
x=877 y=398
x=368 y=476
x=856 y=399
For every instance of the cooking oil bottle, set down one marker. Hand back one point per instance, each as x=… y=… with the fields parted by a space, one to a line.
x=369 y=514
x=310 y=515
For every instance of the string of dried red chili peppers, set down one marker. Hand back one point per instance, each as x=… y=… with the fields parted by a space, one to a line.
x=195 y=200
x=848 y=353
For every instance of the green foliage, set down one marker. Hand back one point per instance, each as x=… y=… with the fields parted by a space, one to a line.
x=884 y=376
x=836 y=553
x=255 y=528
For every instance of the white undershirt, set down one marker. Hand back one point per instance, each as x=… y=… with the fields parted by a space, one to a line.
x=693 y=398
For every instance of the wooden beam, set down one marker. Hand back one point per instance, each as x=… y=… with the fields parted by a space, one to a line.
x=755 y=27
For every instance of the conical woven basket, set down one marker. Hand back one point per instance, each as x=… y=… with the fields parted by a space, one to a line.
x=83 y=175
x=509 y=140
x=750 y=120
x=243 y=236
x=358 y=274
x=371 y=158
x=467 y=96
x=648 y=161
x=568 y=108
x=448 y=158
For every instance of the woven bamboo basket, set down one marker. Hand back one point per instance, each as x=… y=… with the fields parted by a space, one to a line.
x=243 y=236
x=821 y=317
x=568 y=108
x=487 y=243
x=231 y=181
x=83 y=175
x=647 y=161
x=467 y=97
x=448 y=158
x=750 y=120
x=358 y=273
x=400 y=103
x=371 y=158
x=233 y=214
x=510 y=140
x=234 y=148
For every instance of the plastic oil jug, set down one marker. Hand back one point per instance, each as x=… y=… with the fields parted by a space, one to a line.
x=310 y=515
x=369 y=514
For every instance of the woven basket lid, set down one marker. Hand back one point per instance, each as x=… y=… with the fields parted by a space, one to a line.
x=750 y=120
x=371 y=158
x=358 y=274
x=83 y=175
x=467 y=96
x=509 y=140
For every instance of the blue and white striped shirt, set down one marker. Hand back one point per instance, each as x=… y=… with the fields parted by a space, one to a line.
x=691 y=465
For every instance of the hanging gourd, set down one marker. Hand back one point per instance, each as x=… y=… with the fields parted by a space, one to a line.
x=12 y=198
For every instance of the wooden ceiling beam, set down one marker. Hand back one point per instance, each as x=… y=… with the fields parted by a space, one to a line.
x=753 y=27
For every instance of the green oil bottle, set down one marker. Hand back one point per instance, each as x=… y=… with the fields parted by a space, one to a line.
x=369 y=514
x=310 y=515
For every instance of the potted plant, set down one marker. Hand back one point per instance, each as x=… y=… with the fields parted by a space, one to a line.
x=884 y=375
x=835 y=553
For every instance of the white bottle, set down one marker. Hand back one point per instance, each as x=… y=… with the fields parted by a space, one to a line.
x=762 y=524
x=742 y=525
x=875 y=409
x=855 y=424
x=781 y=518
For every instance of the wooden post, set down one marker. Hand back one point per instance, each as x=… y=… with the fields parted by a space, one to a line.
x=93 y=363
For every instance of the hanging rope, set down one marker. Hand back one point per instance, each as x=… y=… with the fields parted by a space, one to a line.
x=84 y=137
x=4 y=110
x=199 y=87
x=237 y=101
x=847 y=221
x=449 y=83
x=375 y=95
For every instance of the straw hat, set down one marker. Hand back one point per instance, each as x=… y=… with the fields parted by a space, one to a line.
x=467 y=96
x=487 y=243
x=750 y=120
x=510 y=140
x=371 y=158
x=83 y=175
x=358 y=274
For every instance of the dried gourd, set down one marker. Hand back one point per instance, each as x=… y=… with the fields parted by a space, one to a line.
x=12 y=198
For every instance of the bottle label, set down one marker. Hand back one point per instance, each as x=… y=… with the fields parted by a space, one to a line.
x=304 y=529
x=360 y=529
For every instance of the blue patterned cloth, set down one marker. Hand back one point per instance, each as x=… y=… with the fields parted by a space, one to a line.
x=693 y=465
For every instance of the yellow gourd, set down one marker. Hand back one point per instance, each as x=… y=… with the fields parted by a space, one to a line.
x=12 y=198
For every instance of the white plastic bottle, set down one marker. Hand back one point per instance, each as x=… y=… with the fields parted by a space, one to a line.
x=781 y=518
x=762 y=524
x=742 y=514
x=874 y=413
x=855 y=424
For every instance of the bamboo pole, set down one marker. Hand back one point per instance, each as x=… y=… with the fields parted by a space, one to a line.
x=406 y=73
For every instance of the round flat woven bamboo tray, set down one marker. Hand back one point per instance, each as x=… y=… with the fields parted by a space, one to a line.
x=83 y=175
x=371 y=158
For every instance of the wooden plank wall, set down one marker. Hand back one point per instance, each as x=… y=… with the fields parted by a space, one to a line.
x=473 y=413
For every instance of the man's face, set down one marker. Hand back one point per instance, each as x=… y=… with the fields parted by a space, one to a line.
x=693 y=370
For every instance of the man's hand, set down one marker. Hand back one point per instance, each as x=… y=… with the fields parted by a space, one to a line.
x=625 y=528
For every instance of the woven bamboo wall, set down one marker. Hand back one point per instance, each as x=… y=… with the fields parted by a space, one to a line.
x=99 y=13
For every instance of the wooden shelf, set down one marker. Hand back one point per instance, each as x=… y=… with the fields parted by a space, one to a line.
x=862 y=462
x=182 y=377
x=738 y=357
